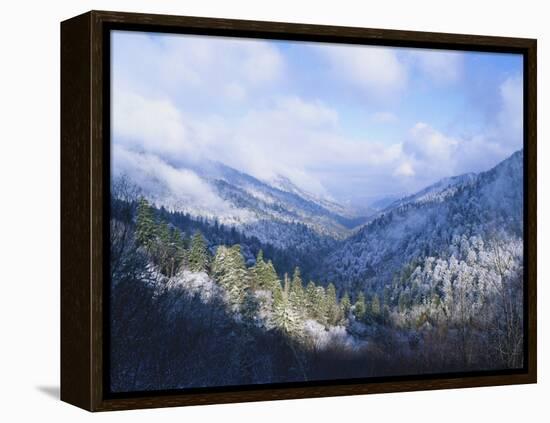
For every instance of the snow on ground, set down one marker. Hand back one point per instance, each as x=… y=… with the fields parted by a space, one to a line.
x=334 y=336
x=197 y=283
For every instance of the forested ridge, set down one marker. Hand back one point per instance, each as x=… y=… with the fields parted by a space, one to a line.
x=434 y=284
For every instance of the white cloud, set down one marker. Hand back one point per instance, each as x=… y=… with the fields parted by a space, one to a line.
x=300 y=140
x=170 y=186
x=313 y=113
x=384 y=72
x=154 y=126
x=426 y=156
x=377 y=71
x=177 y=98
x=261 y=61
x=502 y=136
x=384 y=117
x=405 y=169
x=290 y=137
x=431 y=154
x=194 y=68
x=426 y=143
x=510 y=118
x=234 y=91
x=439 y=66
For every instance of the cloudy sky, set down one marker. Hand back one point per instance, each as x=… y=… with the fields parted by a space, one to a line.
x=353 y=123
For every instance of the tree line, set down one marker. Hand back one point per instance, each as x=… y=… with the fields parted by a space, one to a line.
x=287 y=301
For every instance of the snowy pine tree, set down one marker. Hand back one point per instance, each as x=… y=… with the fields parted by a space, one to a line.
x=320 y=305
x=285 y=315
x=310 y=298
x=229 y=270
x=145 y=224
x=345 y=305
x=359 y=308
x=198 y=254
x=258 y=272
x=332 y=308
x=297 y=295
x=375 y=306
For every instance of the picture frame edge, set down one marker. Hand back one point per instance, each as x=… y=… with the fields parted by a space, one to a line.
x=82 y=207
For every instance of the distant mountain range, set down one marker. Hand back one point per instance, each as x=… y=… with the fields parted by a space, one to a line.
x=353 y=250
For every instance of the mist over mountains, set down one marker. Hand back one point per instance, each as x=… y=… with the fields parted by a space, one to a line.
x=352 y=249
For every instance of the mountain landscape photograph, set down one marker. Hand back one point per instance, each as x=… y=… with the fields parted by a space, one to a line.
x=297 y=212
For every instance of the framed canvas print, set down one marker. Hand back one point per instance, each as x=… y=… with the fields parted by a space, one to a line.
x=257 y=210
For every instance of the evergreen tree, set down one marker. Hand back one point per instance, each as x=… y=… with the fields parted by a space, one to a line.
x=272 y=281
x=286 y=285
x=332 y=309
x=163 y=232
x=145 y=224
x=386 y=296
x=177 y=251
x=345 y=305
x=310 y=298
x=219 y=263
x=359 y=309
x=179 y=246
x=263 y=276
x=249 y=308
x=258 y=272
x=320 y=305
x=375 y=306
x=297 y=290
x=229 y=270
x=198 y=254
x=404 y=301
x=285 y=315
x=162 y=248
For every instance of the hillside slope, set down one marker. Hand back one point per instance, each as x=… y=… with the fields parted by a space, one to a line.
x=424 y=224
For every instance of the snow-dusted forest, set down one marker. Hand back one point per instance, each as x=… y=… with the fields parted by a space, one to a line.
x=299 y=291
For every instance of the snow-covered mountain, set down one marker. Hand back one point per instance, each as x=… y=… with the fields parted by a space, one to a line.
x=285 y=184
x=354 y=250
x=241 y=200
x=484 y=204
x=435 y=192
x=280 y=201
x=382 y=203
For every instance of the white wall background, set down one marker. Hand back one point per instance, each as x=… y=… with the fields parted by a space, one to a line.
x=29 y=210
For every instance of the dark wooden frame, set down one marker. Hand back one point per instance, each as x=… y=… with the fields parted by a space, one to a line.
x=84 y=131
